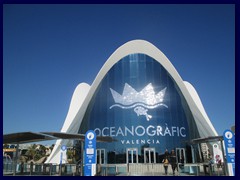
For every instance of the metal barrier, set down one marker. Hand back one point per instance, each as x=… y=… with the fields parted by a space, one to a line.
x=146 y=169
x=157 y=169
x=41 y=169
x=112 y=169
x=7 y=168
x=74 y=170
x=130 y=169
x=154 y=169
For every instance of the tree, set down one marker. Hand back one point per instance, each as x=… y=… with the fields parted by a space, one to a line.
x=31 y=151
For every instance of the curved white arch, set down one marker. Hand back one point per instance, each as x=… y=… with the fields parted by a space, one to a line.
x=77 y=100
x=204 y=125
x=198 y=103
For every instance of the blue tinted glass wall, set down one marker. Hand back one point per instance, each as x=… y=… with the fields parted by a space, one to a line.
x=139 y=104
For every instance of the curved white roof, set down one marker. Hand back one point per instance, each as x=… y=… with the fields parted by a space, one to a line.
x=78 y=97
x=72 y=123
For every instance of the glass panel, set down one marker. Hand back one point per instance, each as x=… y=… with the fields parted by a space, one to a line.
x=181 y=156
x=152 y=157
x=132 y=155
x=140 y=105
x=100 y=156
x=149 y=155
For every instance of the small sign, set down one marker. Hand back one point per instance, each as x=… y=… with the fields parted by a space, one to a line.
x=229 y=141
x=90 y=154
x=63 y=147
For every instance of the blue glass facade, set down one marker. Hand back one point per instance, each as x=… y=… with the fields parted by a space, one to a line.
x=140 y=105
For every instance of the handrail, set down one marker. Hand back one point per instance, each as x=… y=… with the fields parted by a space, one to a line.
x=108 y=169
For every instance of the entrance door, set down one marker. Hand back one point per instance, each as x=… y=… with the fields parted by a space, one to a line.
x=132 y=155
x=101 y=156
x=149 y=155
x=181 y=155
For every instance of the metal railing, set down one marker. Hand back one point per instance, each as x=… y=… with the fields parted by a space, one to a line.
x=152 y=169
x=112 y=169
x=42 y=169
x=130 y=169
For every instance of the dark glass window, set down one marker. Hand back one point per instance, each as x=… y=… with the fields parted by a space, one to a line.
x=139 y=104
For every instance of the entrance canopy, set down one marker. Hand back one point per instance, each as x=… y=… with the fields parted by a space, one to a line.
x=206 y=139
x=27 y=137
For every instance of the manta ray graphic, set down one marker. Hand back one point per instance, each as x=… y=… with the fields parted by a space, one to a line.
x=140 y=101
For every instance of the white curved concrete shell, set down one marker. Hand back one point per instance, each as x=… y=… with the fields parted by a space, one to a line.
x=83 y=93
x=71 y=124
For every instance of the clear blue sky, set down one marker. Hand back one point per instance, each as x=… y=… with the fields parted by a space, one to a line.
x=49 y=49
